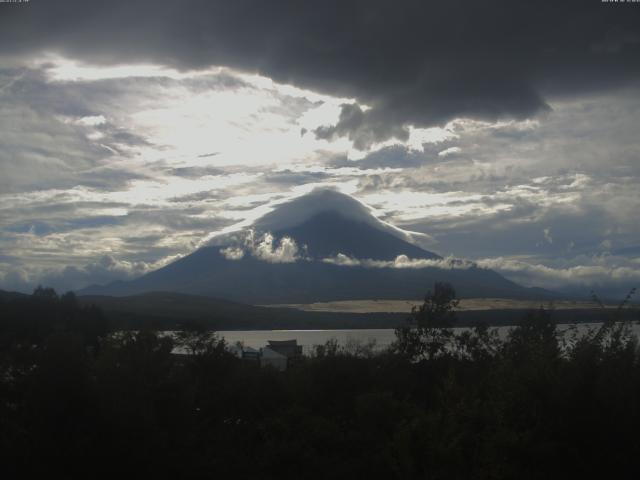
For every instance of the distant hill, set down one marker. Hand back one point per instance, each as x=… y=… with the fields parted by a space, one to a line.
x=12 y=295
x=168 y=311
x=323 y=224
x=171 y=311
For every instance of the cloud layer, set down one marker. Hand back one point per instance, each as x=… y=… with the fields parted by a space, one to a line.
x=139 y=130
x=607 y=275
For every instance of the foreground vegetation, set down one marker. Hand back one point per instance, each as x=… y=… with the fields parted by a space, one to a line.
x=79 y=400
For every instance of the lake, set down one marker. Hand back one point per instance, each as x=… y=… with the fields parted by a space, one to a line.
x=309 y=338
x=382 y=337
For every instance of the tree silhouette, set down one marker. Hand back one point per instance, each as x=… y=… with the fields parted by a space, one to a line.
x=428 y=330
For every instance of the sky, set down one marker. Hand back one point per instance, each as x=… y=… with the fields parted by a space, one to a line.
x=506 y=132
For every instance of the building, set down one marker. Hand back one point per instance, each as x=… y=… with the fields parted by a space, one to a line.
x=288 y=348
x=244 y=353
x=271 y=358
x=279 y=354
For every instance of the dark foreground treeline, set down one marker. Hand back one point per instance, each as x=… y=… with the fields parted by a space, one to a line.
x=78 y=401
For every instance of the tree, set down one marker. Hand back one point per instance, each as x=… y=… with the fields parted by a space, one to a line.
x=45 y=293
x=428 y=329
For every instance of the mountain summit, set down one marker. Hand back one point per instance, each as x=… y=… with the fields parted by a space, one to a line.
x=318 y=247
x=329 y=233
x=322 y=200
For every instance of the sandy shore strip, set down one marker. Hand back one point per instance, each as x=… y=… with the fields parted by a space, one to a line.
x=402 y=306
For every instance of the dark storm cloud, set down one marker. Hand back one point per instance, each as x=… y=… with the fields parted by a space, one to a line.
x=413 y=62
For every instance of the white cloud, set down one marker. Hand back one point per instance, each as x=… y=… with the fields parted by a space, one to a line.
x=401 y=261
x=449 y=151
x=232 y=253
x=261 y=246
x=285 y=251
x=92 y=120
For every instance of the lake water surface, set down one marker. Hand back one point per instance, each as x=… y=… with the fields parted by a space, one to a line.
x=382 y=337
x=309 y=338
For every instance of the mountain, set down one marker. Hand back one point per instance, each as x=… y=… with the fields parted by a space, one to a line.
x=9 y=296
x=329 y=233
x=316 y=228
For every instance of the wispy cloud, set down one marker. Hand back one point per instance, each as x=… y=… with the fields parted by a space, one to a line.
x=401 y=261
x=608 y=272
